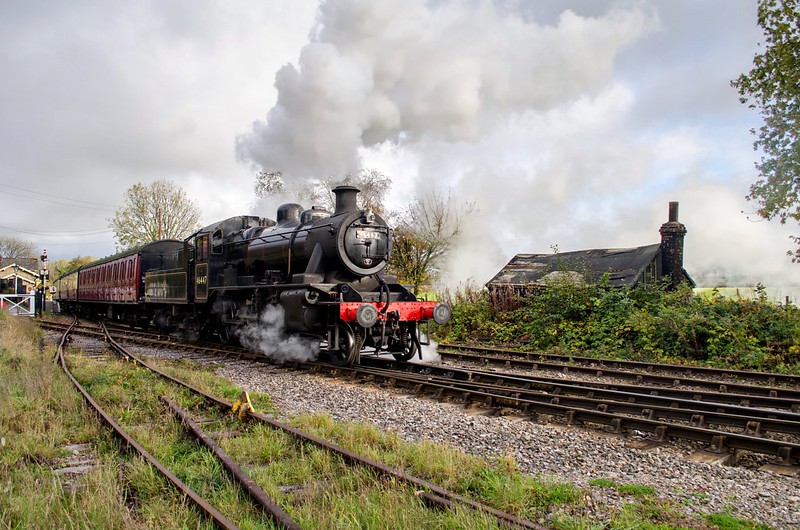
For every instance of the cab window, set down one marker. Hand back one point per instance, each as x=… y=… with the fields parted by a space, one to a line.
x=201 y=247
x=216 y=242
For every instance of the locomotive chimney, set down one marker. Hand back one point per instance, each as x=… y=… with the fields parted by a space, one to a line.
x=345 y=199
x=672 y=233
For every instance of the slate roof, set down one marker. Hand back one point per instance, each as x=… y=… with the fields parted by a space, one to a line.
x=32 y=264
x=625 y=266
x=27 y=271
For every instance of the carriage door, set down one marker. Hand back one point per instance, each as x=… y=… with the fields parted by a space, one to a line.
x=201 y=268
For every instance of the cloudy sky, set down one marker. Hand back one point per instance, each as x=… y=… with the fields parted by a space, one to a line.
x=567 y=123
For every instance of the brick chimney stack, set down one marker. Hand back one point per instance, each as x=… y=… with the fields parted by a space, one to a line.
x=672 y=233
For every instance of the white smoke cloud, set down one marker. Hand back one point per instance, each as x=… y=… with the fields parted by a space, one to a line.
x=430 y=353
x=269 y=337
x=572 y=132
x=451 y=71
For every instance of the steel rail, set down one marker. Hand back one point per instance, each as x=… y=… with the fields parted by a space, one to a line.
x=140 y=337
x=697 y=413
x=734 y=403
x=778 y=448
x=721 y=386
x=276 y=513
x=767 y=377
x=503 y=518
x=553 y=385
x=704 y=402
x=586 y=387
x=218 y=518
x=787 y=453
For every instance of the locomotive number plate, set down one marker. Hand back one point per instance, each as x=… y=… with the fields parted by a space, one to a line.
x=367 y=234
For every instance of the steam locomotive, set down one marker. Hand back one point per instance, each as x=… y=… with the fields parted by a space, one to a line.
x=325 y=270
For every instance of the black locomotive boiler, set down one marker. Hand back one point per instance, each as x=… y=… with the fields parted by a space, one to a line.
x=325 y=270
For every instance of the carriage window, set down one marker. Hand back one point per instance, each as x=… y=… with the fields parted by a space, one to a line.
x=216 y=242
x=201 y=247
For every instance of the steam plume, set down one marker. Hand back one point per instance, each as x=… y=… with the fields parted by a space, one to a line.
x=430 y=354
x=269 y=337
x=531 y=120
x=376 y=71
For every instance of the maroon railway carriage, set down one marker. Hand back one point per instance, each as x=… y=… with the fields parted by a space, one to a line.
x=114 y=287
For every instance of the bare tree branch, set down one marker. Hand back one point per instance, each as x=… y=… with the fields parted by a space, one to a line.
x=14 y=247
x=423 y=235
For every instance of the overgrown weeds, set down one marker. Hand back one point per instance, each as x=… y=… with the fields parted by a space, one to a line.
x=41 y=414
x=643 y=323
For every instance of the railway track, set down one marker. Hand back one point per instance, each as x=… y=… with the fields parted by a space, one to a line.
x=638 y=371
x=281 y=519
x=429 y=493
x=724 y=421
x=619 y=416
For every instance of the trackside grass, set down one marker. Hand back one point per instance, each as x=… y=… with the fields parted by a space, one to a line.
x=41 y=414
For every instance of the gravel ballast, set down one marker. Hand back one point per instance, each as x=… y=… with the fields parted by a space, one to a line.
x=567 y=454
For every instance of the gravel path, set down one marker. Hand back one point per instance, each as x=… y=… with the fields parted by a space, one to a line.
x=567 y=454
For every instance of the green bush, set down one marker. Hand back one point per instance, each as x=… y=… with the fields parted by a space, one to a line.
x=641 y=323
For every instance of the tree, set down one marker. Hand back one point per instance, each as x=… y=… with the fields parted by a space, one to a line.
x=160 y=210
x=14 y=247
x=424 y=233
x=63 y=266
x=773 y=86
x=373 y=184
x=269 y=183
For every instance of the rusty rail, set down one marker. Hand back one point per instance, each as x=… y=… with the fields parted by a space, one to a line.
x=787 y=453
x=503 y=518
x=767 y=377
x=639 y=404
x=610 y=368
x=556 y=385
x=216 y=516
x=278 y=515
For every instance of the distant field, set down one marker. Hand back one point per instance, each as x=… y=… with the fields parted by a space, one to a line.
x=777 y=294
